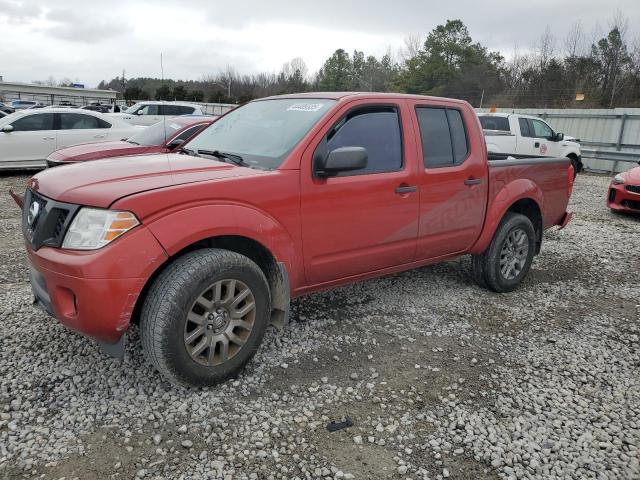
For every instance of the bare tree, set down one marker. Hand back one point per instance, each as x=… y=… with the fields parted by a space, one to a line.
x=545 y=48
x=412 y=46
x=574 y=44
x=298 y=65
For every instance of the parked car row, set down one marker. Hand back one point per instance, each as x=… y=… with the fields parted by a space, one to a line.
x=163 y=137
x=28 y=137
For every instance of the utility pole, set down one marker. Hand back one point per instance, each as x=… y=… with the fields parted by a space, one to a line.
x=123 y=83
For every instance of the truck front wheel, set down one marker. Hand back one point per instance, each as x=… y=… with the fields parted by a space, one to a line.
x=506 y=262
x=204 y=317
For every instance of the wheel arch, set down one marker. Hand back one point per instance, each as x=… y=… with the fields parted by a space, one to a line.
x=575 y=158
x=275 y=272
x=240 y=228
x=530 y=209
x=528 y=201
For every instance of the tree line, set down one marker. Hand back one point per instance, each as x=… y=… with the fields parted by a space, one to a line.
x=574 y=71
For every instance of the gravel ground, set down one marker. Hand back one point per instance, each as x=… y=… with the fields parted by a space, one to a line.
x=441 y=378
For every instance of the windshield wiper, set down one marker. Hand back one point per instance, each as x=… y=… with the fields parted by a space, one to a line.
x=233 y=158
x=186 y=151
x=132 y=142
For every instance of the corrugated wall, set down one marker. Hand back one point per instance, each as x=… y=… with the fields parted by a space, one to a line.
x=599 y=131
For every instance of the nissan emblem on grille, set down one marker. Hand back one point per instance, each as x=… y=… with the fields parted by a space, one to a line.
x=34 y=210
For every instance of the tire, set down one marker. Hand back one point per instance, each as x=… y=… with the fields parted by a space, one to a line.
x=487 y=269
x=575 y=165
x=185 y=309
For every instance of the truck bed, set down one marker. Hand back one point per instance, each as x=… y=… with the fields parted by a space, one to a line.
x=547 y=179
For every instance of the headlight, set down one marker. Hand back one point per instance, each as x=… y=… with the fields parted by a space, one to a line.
x=619 y=178
x=93 y=228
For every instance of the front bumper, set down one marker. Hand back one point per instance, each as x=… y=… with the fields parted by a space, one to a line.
x=622 y=200
x=95 y=292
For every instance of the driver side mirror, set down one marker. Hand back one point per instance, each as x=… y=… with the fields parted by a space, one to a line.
x=7 y=128
x=558 y=137
x=342 y=159
x=176 y=142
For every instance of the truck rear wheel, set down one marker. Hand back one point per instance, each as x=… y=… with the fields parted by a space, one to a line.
x=506 y=262
x=204 y=317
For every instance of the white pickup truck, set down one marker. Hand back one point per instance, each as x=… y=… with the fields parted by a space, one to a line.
x=523 y=136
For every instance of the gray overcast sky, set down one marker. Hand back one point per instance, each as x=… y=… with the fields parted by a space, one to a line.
x=89 y=41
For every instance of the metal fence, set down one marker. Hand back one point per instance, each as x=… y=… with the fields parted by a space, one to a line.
x=610 y=138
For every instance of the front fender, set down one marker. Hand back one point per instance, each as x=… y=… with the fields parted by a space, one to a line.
x=570 y=150
x=182 y=228
x=503 y=198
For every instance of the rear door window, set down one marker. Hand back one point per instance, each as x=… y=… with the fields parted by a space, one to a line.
x=184 y=110
x=149 y=110
x=78 y=121
x=443 y=136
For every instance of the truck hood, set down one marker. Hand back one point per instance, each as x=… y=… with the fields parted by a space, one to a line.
x=102 y=182
x=96 y=150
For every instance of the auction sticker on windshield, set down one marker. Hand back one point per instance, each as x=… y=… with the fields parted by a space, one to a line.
x=306 y=107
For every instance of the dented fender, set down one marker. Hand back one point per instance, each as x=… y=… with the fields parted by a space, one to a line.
x=179 y=229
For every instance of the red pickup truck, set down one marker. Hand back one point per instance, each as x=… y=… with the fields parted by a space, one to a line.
x=205 y=247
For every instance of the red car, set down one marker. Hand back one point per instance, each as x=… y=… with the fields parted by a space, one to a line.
x=624 y=192
x=162 y=137
x=278 y=198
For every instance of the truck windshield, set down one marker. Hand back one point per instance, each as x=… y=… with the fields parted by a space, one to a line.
x=262 y=132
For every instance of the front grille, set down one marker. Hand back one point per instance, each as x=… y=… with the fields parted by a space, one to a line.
x=633 y=188
x=612 y=195
x=45 y=221
x=61 y=218
x=633 y=204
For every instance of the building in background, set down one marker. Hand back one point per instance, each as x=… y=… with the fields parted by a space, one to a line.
x=45 y=95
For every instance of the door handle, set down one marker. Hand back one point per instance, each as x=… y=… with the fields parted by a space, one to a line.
x=473 y=181
x=98 y=136
x=406 y=189
x=48 y=138
x=537 y=144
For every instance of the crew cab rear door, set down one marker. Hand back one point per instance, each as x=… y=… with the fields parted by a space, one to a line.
x=364 y=220
x=453 y=177
x=527 y=143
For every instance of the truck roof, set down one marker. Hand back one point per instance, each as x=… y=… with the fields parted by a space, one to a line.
x=352 y=95
x=506 y=115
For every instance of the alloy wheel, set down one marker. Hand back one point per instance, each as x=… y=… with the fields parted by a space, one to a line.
x=219 y=322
